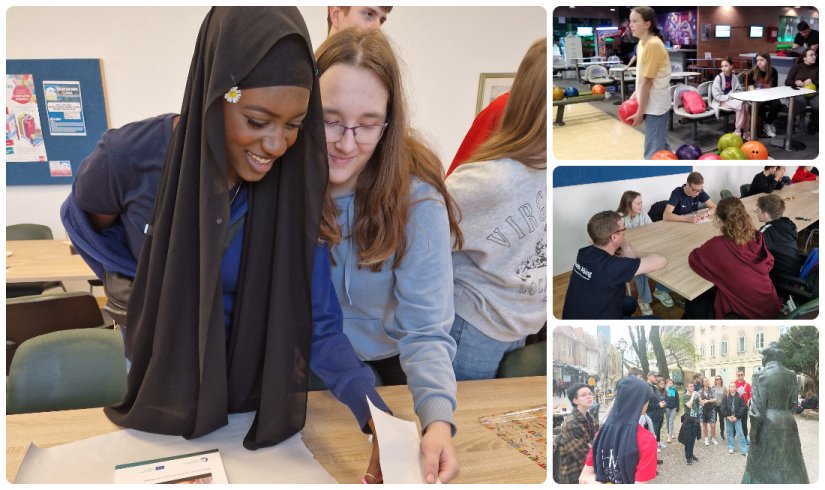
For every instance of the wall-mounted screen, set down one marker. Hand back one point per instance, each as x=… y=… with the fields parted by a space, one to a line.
x=722 y=30
x=584 y=31
x=756 y=31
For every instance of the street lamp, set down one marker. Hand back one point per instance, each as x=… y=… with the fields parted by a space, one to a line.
x=622 y=345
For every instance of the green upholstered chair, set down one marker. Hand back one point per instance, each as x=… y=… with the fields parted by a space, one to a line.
x=29 y=231
x=807 y=311
x=530 y=360
x=725 y=193
x=744 y=190
x=67 y=370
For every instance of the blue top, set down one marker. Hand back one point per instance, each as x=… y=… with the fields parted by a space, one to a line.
x=684 y=204
x=407 y=310
x=331 y=356
x=596 y=288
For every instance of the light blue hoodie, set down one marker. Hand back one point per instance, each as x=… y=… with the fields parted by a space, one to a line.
x=408 y=310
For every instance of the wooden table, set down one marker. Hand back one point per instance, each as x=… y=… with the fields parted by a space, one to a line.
x=44 y=260
x=333 y=436
x=675 y=240
x=755 y=97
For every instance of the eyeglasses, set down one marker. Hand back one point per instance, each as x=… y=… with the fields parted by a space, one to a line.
x=366 y=134
x=741 y=375
x=694 y=190
x=619 y=231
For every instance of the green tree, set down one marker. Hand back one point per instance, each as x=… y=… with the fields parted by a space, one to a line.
x=659 y=351
x=801 y=346
x=679 y=347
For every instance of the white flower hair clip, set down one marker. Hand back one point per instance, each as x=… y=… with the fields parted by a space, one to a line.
x=233 y=95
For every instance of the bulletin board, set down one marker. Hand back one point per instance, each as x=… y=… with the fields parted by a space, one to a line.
x=70 y=109
x=567 y=176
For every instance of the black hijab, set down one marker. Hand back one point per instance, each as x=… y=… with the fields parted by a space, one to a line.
x=185 y=375
x=615 y=450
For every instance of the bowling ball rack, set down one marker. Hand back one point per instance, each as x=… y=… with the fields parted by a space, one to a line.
x=583 y=97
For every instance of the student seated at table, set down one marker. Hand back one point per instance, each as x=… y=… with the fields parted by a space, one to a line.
x=725 y=84
x=763 y=76
x=803 y=174
x=597 y=285
x=805 y=72
x=684 y=201
x=633 y=216
x=738 y=263
x=780 y=235
x=767 y=181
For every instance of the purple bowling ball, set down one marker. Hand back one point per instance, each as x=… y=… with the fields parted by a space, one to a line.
x=688 y=152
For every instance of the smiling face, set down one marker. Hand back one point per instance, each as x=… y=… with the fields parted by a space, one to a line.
x=351 y=96
x=260 y=127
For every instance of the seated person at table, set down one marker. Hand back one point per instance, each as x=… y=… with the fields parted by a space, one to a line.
x=779 y=234
x=738 y=264
x=767 y=181
x=725 y=84
x=806 y=37
x=633 y=216
x=597 y=285
x=805 y=72
x=684 y=201
x=803 y=174
x=763 y=76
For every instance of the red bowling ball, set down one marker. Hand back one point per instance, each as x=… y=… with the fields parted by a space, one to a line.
x=627 y=109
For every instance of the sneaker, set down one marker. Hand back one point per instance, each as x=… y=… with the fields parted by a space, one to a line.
x=707 y=443
x=769 y=131
x=730 y=451
x=659 y=461
x=695 y=458
x=662 y=445
x=645 y=308
x=689 y=461
x=744 y=454
x=664 y=297
x=738 y=132
x=714 y=441
x=746 y=136
x=773 y=130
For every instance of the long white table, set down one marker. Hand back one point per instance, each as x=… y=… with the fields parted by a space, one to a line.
x=755 y=97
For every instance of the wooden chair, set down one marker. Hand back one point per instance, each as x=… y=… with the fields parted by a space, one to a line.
x=68 y=370
x=30 y=231
x=30 y=316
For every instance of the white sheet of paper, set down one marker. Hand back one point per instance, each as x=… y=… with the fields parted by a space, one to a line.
x=93 y=460
x=400 y=448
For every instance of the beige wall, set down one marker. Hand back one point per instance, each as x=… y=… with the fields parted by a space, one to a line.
x=726 y=365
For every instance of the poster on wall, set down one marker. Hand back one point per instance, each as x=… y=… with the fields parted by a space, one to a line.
x=64 y=108
x=24 y=136
x=787 y=26
x=678 y=28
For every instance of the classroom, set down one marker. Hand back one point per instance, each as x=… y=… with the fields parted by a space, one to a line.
x=752 y=71
x=234 y=252
x=621 y=205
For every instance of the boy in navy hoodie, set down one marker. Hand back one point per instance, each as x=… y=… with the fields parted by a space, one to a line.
x=779 y=234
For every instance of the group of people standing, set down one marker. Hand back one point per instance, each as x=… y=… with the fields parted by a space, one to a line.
x=289 y=219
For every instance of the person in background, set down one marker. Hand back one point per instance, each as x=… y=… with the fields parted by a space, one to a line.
x=690 y=423
x=213 y=235
x=734 y=410
x=652 y=80
x=708 y=402
x=366 y=18
x=634 y=216
x=767 y=181
x=806 y=37
x=805 y=72
x=658 y=415
x=597 y=285
x=725 y=84
x=672 y=407
x=780 y=236
x=623 y=451
x=763 y=76
x=684 y=201
x=719 y=391
x=498 y=283
x=803 y=174
x=746 y=392
x=392 y=268
x=738 y=264
x=577 y=433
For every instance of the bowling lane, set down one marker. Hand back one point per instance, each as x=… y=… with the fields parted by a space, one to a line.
x=591 y=134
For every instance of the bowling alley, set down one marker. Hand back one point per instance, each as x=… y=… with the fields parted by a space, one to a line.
x=685 y=83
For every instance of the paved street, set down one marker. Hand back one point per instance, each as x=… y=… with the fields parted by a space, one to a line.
x=715 y=464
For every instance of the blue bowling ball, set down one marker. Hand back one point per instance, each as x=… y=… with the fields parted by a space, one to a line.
x=571 y=92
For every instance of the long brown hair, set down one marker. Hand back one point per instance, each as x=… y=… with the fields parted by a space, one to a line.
x=736 y=224
x=625 y=201
x=522 y=134
x=649 y=15
x=759 y=76
x=382 y=200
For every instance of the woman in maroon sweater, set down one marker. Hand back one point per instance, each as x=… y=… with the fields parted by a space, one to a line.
x=738 y=264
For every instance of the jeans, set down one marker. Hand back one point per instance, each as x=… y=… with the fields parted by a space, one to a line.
x=729 y=428
x=670 y=413
x=477 y=356
x=721 y=422
x=657 y=428
x=655 y=134
x=692 y=431
x=643 y=288
x=799 y=104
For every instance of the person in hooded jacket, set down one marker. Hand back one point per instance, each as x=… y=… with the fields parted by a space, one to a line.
x=623 y=451
x=779 y=234
x=738 y=263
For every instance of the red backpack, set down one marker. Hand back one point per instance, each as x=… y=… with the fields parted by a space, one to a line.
x=693 y=102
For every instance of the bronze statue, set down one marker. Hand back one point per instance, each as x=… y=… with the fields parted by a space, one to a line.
x=775 y=454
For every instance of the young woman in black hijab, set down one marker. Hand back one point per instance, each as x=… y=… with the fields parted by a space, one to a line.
x=218 y=325
x=623 y=451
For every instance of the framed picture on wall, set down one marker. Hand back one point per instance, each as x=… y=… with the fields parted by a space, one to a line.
x=490 y=86
x=705 y=32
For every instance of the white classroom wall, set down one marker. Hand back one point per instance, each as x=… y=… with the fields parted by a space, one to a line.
x=146 y=53
x=574 y=205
